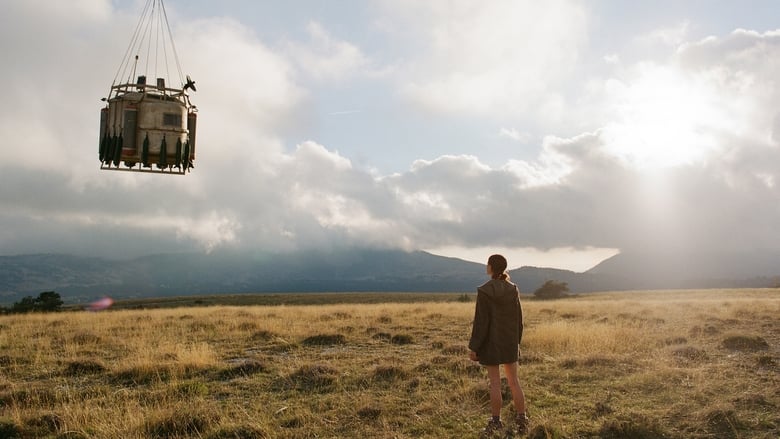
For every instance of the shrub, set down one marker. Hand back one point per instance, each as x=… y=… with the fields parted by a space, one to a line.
x=552 y=290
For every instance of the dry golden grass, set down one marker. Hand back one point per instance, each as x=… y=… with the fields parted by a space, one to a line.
x=701 y=364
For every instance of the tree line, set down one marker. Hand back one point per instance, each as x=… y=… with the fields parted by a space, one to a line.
x=48 y=301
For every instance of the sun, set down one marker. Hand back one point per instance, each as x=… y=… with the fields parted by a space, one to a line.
x=665 y=118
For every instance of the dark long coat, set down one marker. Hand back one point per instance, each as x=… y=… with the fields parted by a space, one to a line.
x=498 y=323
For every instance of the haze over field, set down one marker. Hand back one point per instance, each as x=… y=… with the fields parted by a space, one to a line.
x=558 y=132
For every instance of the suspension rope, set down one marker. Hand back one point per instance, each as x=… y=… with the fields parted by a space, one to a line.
x=173 y=43
x=152 y=25
x=126 y=58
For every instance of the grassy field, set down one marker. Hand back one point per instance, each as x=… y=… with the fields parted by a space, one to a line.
x=681 y=364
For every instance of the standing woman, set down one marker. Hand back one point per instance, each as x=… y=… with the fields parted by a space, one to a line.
x=495 y=338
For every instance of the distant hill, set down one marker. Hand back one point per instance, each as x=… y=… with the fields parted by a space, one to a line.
x=665 y=269
x=82 y=278
x=79 y=279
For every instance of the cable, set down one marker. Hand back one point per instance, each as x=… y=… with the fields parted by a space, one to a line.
x=173 y=44
x=153 y=27
x=122 y=65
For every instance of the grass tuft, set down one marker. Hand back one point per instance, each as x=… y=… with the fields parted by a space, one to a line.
x=721 y=421
x=84 y=367
x=545 y=432
x=324 y=340
x=247 y=326
x=144 y=375
x=766 y=361
x=191 y=389
x=381 y=336
x=245 y=368
x=388 y=373
x=690 y=353
x=83 y=338
x=238 y=432
x=8 y=429
x=401 y=339
x=455 y=350
x=675 y=340
x=634 y=427
x=189 y=423
x=745 y=343
x=49 y=422
x=313 y=377
x=263 y=335
x=369 y=412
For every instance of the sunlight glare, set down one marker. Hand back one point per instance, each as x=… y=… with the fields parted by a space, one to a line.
x=664 y=119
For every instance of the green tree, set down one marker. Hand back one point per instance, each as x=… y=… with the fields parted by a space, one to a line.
x=47 y=301
x=27 y=304
x=552 y=290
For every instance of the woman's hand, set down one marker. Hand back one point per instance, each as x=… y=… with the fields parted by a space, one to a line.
x=473 y=356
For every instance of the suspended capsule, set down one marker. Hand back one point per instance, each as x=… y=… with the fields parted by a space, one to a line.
x=142 y=122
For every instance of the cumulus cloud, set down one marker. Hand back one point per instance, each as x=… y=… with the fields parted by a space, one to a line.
x=326 y=58
x=491 y=57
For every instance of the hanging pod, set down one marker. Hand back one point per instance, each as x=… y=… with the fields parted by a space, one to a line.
x=186 y=156
x=145 y=152
x=109 y=155
x=118 y=150
x=178 y=153
x=162 y=163
x=104 y=144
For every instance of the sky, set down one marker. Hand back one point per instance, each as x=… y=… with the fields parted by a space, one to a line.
x=558 y=133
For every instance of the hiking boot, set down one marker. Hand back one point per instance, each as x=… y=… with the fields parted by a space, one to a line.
x=493 y=429
x=522 y=423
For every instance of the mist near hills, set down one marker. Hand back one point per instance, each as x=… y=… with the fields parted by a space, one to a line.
x=79 y=279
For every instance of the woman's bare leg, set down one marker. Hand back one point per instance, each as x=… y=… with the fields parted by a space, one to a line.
x=494 y=375
x=510 y=369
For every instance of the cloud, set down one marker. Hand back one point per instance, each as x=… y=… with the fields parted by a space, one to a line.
x=326 y=58
x=515 y=135
x=489 y=58
x=671 y=36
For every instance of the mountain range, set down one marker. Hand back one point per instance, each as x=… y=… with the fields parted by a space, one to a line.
x=79 y=279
